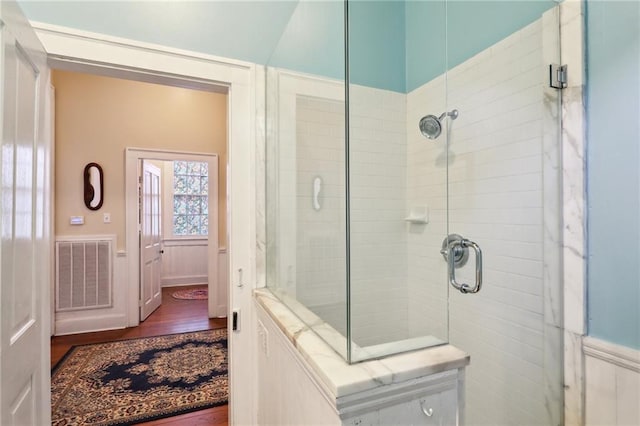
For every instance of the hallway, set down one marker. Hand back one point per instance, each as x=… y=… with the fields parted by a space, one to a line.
x=173 y=316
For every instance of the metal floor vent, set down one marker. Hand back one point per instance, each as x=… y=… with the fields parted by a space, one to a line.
x=83 y=275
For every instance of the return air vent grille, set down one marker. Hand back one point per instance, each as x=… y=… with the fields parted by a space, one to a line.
x=83 y=274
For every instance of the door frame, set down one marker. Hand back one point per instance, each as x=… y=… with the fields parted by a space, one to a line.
x=133 y=156
x=83 y=51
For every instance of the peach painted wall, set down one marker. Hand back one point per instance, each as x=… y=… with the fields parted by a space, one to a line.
x=97 y=117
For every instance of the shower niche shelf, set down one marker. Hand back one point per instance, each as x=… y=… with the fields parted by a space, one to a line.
x=418 y=216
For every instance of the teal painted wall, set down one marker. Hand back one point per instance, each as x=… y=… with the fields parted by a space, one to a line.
x=613 y=164
x=245 y=30
x=395 y=45
x=377 y=56
x=399 y=45
x=426 y=48
x=442 y=35
x=313 y=40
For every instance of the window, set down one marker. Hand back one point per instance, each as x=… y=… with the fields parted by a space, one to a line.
x=190 y=198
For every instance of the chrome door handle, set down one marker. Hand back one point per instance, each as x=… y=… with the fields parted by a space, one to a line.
x=455 y=250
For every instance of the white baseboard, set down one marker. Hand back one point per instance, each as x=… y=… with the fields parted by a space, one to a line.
x=189 y=284
x=86 y=324
x=184 y=280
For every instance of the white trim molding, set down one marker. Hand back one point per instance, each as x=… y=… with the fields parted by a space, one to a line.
x=109 y=55
x=184 y=280
x=621 y=356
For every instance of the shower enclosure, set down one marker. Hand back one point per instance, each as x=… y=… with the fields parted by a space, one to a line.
x=412 y=188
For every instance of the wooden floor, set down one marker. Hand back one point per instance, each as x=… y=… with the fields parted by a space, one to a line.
x=173 y=316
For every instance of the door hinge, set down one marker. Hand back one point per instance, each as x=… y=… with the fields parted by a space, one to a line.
x=558 y=76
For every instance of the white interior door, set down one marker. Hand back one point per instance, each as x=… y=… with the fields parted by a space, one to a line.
x=150 y=240
x=24 y=252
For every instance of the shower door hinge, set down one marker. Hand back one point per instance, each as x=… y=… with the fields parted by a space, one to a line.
x=557 y=76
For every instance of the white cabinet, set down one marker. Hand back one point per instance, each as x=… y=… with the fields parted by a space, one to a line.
x=438 y=409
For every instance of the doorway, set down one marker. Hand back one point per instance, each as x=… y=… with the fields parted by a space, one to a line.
x=95 y=125
x=189 y=225
x=99 y=118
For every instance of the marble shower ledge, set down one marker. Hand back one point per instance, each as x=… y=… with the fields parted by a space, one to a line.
x=340 y=379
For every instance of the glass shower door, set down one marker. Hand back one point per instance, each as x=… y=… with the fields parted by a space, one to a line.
x=305 y=169
x=397 y=211
x=503 y=189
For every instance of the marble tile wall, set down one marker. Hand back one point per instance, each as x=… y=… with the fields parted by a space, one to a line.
x=573 y=209
x=552 y=223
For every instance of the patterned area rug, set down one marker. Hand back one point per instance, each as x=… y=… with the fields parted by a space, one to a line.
x=193 y=294
x=137 y=380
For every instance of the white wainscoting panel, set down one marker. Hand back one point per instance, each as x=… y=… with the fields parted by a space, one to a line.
x=291 y=398
x=612 y=382
x=184 y=262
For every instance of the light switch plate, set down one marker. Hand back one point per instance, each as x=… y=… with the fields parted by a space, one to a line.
x=106 y=217
x=76 y=220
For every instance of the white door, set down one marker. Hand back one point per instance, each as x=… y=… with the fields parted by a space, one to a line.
x=150 y=240
x=25 y=211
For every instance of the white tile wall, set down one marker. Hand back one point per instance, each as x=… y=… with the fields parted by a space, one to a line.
x=427 y=187
x=320 y=246
x=496 y=199
x=378 y=234
x=378 y=237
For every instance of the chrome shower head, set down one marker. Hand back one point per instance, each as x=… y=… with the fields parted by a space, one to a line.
x=431 y=126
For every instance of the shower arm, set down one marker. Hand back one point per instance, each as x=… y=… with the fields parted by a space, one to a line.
x=453 y=114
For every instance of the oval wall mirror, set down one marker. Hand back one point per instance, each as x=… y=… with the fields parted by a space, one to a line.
x=93 y=186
